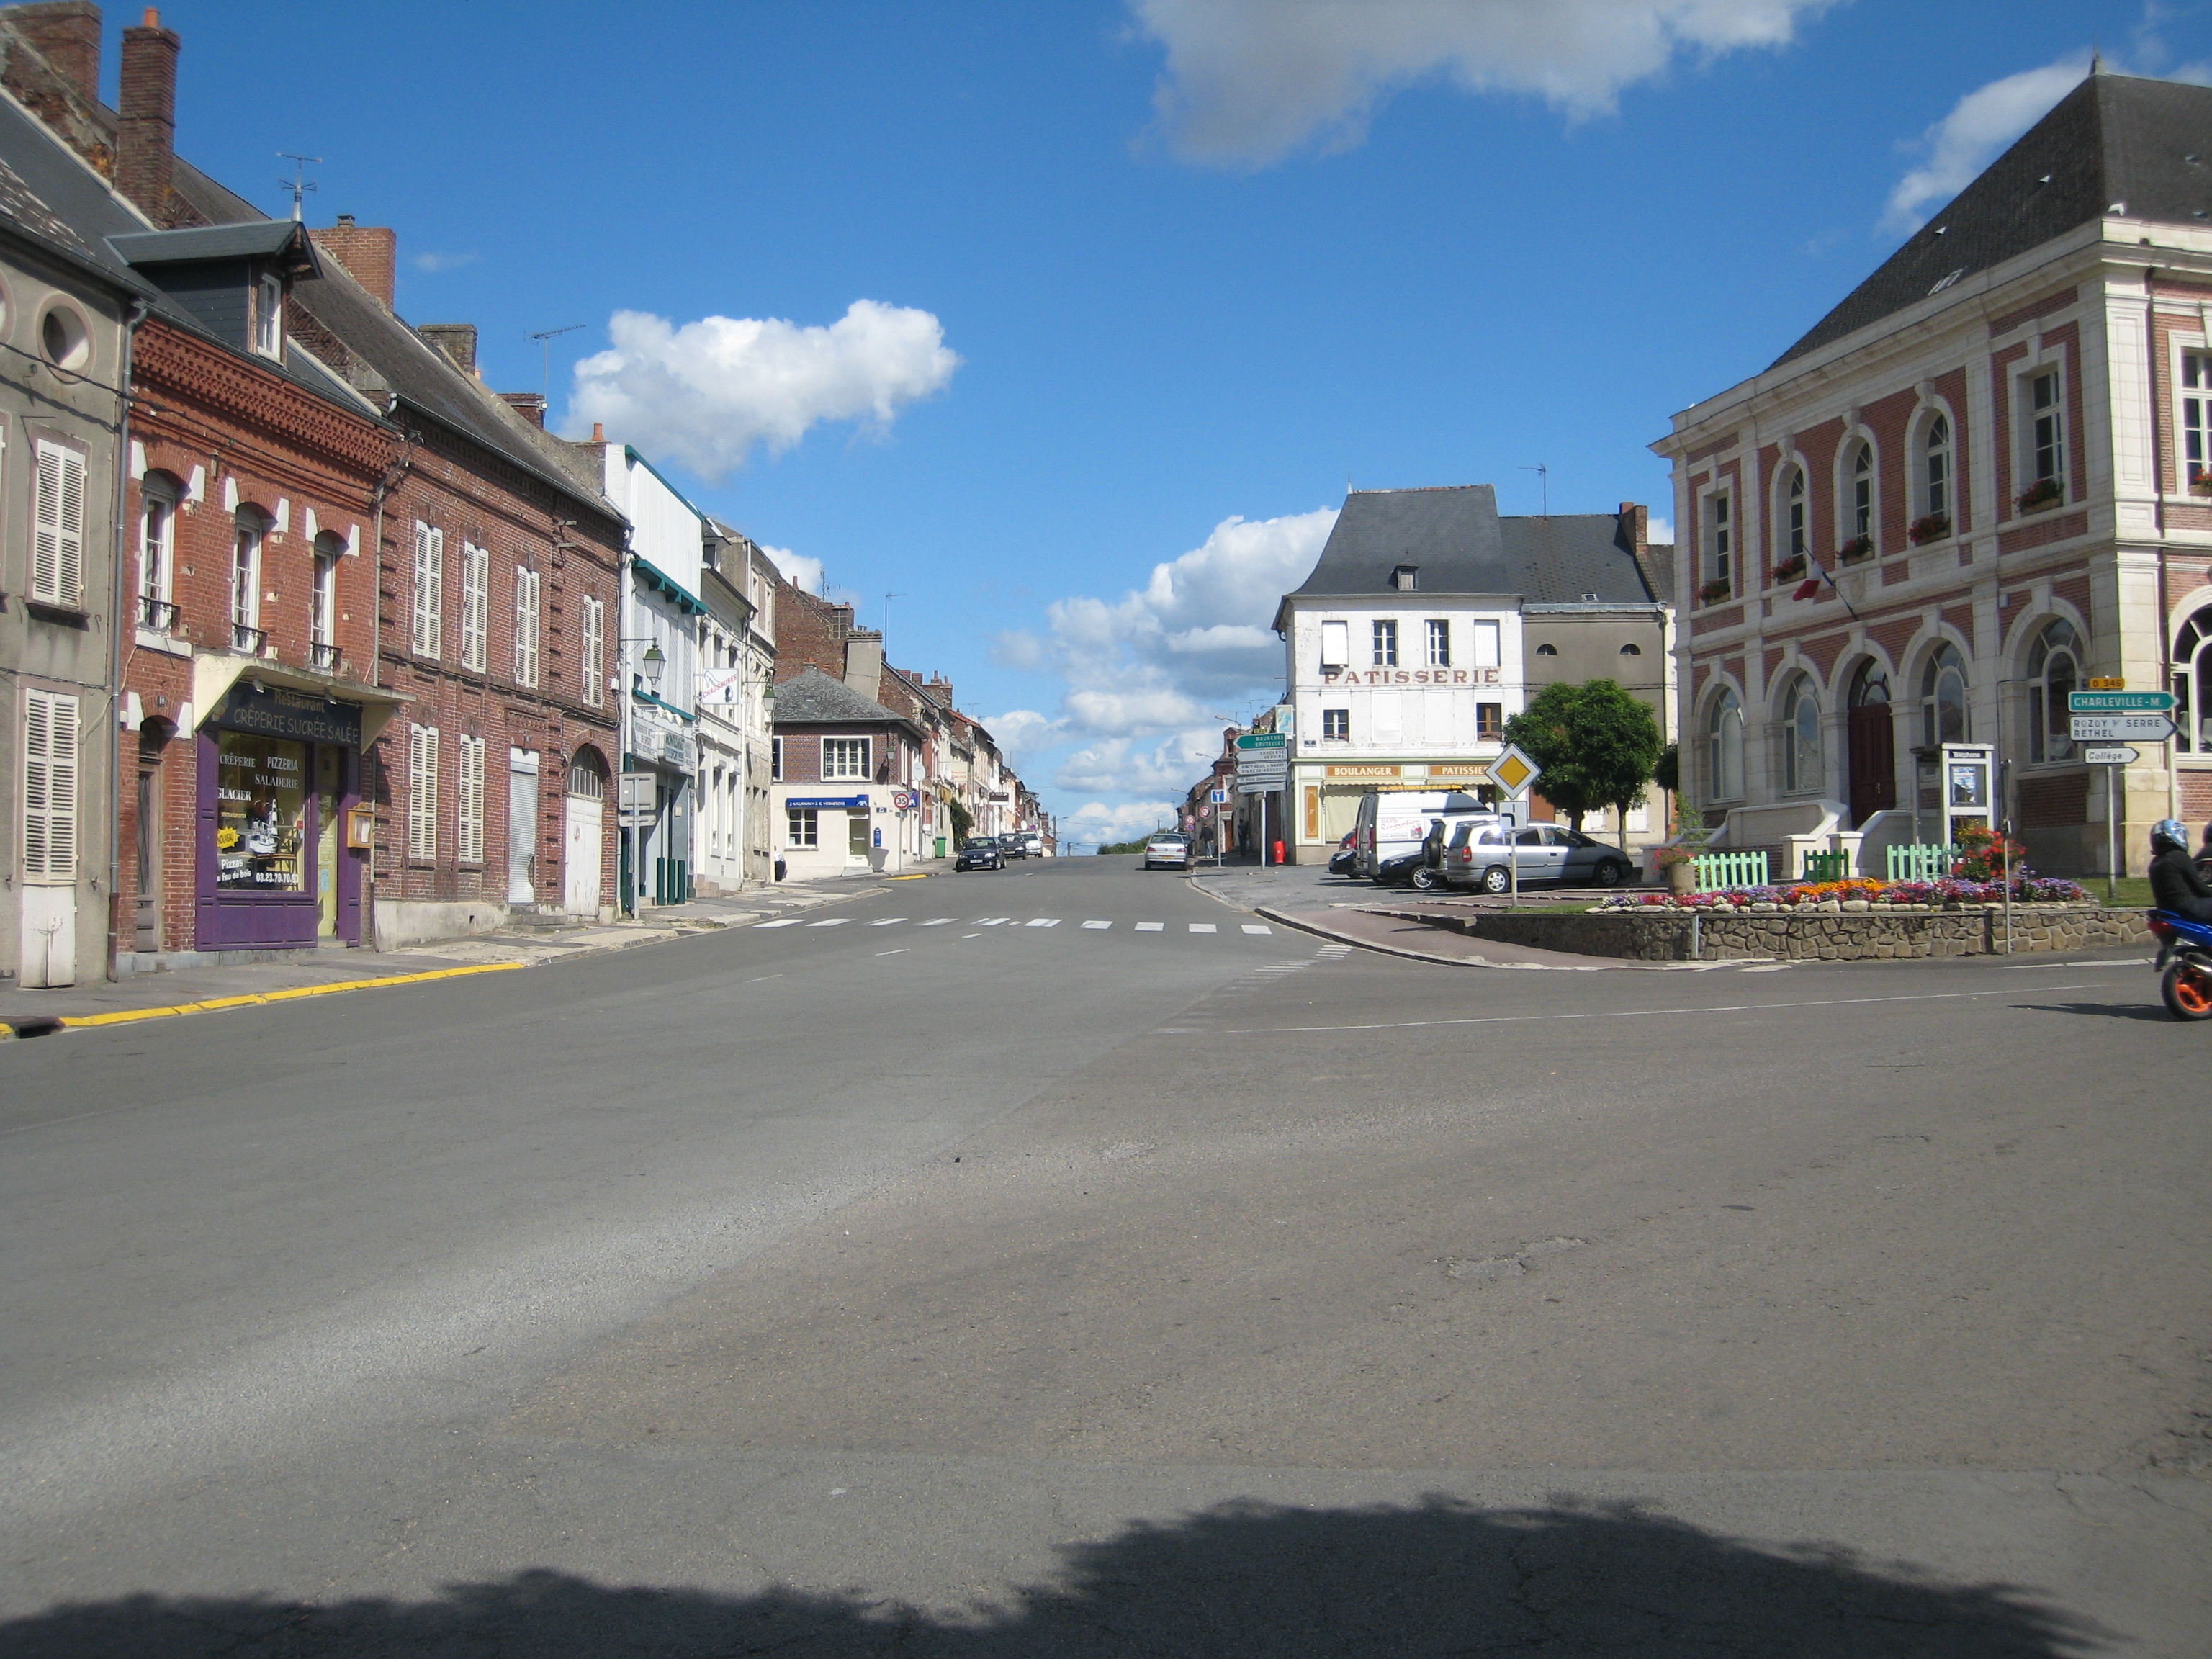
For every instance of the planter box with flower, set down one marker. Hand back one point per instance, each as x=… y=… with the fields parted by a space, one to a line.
x=2200 y=479
x=2042 y=494
x=1856 y=550
x=1790 y=569
x=1933 y=528
x=1713 y=593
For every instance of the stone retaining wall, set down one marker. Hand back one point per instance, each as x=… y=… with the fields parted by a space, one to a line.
x=1658 y=935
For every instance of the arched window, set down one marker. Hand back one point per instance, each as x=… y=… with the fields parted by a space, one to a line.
x=1803 y=772
x=1724 y=746
x=1943 y=714
x=246 y=633
x=1547 y=650
x=2192 y=685
x=1860 y=497
x=1869 y=686
x=587 y=775
x=1794 y=537
x=1935 y=469
x=1631 y=650
x=2053 y=672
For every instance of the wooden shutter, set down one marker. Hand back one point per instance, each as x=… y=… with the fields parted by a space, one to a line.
x=50 y=772
x=470 y=787
x=57 y=535
x=422 y=792
x=525 y=627
x=430 y=589
x=475 y=604
x=594 y=650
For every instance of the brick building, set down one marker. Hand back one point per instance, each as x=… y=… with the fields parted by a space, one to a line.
x=1977 y=482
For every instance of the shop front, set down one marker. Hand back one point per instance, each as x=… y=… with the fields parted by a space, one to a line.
x=283 y=841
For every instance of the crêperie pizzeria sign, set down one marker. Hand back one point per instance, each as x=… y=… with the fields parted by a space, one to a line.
x=280 y=712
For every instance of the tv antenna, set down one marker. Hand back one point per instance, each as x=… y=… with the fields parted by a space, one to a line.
x=546 y=337
x=299 y=184
x=1544 y=477
x=888 y=598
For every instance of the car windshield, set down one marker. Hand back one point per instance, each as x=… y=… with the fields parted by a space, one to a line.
x=983 y=844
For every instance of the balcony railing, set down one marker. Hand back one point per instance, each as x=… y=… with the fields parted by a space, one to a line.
x=248 y=640
x=157 y=614
x=325 y=656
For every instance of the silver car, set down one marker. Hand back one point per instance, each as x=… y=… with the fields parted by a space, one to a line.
x=1170 y=852
x=1488 y=856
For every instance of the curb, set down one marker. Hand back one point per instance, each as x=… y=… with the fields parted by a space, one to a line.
x=1609 y=965
x=46 y=1025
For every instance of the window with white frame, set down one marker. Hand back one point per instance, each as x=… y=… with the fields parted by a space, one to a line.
x=57 y=527
x=157 y=551
x=1858 y=493
x=1724 y=745
x=526 y=613
x=469 y=793
x=250 y=532
x=1385 y=644
x=2197 y=422
x=594 y=652
x=269 y=315
x=2046 y=428
x=430 y=591
x=1439 y=632
x=1336 y=724
x=51 y=728
x=1944 y=715
x=323 y=599
x=844 y=757
x=475 y=604
x=422 y=792
x=1936 y=468
x=1791 y=511
x=1719 y=541
x=2054 y=673
x=1801 y=759
x=2192 y=685
x=1336 y=645
x=802 y=826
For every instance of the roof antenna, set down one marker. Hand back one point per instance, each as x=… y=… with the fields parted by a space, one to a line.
x=544 y=339
x=1543 y=477
x=299 y=184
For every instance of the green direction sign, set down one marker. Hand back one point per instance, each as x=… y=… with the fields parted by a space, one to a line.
x=2119 y=702
x=1263 y=740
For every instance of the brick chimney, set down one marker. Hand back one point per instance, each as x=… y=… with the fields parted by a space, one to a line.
x=1636 y=527
x=146 y=111
x=457 y=340
x=530 y=405
x=370 y=253
x=66 y=33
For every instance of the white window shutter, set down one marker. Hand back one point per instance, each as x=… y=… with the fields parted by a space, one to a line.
x=420 y=631
x=50 y=778
x=422 y=792
x=57 y=530
x=525 y=627
x=470 y=789
x=475 y=604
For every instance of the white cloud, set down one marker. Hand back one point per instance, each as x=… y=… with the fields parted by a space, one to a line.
x=1119 y=764
x=437 y=261
x=1248 y=82
x=1661 y=532
x=1020 y=733
x=800 y=570
x=1980 y=125
x=706 y=393
x=1097 y=822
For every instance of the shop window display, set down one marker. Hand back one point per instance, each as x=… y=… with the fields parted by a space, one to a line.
x=261 y=804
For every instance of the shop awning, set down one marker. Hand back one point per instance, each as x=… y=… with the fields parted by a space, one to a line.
x=214 y=672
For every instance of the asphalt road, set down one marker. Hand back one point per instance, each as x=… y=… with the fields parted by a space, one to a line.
x=941 y=1280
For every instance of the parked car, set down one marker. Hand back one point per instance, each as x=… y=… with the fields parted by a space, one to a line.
x=1032 y=845
x=980 y=853
x=1408 y=870
x=1415 y=867
x=1392 y=822
x=1487 y=856
x=1340 y=864
x=1013 y=847
x=1171 y=851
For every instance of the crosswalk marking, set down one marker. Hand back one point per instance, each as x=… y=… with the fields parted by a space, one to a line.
x=1097 y=924
x=1258 y=927
x=886 y=921
x=1201 y=927
x=936 y=921
x=830 y=922
x=1044 y=921
x=1150 y=927
x=787 y=921
x=991 y=921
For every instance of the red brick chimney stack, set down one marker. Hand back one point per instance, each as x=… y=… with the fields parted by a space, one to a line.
x=1638 y=522
x=66 y=33
x=146 y=127
x=370 y=253
x=530 y=405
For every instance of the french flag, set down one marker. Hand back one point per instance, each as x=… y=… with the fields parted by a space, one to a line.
x=1810 y=587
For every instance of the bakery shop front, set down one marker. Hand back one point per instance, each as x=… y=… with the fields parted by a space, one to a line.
x=283 y=838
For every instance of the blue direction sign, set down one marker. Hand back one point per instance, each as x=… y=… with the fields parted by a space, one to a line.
x=2119 y=703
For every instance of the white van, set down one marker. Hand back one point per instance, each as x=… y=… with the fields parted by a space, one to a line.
x=1393 y=821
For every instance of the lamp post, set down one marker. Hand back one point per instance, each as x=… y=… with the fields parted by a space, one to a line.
x=652 y=665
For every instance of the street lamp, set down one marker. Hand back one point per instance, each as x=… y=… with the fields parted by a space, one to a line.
x=654 y=664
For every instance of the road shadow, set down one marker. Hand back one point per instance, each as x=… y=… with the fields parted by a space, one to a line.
x=1437 y=1577
x=2154 y=1012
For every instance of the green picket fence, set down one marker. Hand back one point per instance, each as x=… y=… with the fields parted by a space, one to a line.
x=1921 y=863
x=1719 y=871
x=1825 y=866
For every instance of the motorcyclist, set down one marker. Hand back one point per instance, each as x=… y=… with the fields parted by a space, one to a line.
x=2176 y=884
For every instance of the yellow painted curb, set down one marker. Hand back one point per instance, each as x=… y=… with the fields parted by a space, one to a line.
x=257 y=997
x=918 y=875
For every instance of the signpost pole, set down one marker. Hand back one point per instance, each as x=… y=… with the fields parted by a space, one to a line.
x=2111 y=835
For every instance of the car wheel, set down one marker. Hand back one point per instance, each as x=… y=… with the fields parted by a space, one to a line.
x=1607 y=873
x=1496 y=879
x=1427 y=880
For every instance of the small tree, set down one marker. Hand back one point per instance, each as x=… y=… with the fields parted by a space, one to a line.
x=962 y=823
x=1597 y=746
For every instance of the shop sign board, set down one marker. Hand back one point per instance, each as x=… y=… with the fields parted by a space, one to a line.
x=2119 y=703
x=281 y=712
x=2121 y=729
x=1252 y=740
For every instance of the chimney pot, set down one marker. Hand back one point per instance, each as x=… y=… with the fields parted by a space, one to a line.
x=345 y=222
x=153 y=18
x=598 y=433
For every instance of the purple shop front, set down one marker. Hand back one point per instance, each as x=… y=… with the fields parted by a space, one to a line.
x=278 y=770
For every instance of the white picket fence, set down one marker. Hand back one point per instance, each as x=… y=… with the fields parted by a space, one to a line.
x=1719 y=871
x=1924 y=863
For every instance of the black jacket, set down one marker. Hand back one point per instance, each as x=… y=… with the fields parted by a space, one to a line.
x=2176 y=885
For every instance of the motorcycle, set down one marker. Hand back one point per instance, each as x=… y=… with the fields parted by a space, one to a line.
x=2184 y=964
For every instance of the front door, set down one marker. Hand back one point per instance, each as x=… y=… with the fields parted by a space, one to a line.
x=522 y=826
x=148 y=931
x=1872 y=737
x=580 y=856
x=856 y=835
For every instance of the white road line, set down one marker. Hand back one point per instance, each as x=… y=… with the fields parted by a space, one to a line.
x=899 y=952
x=1150 y=927
x=991 y=921
x=830 y=922
x=971 y=936
x=2072 y=967
x=936 y=921
x=1257 y=928
x=788 y=922
x=1097 y=924
x=1201 y=927
x=1043 y=922
x=1647 y=1014
x=886 y=921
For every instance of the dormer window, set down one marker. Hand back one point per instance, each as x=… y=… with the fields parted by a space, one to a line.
x=269 y=315
x=1403 y=578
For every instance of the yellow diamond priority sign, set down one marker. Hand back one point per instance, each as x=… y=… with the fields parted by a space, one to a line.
x=1513 y=771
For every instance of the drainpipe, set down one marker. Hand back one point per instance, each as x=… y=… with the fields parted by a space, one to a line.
x=121 y=608
x=385 y=486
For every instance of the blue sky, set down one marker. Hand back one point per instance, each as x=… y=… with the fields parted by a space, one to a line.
x=1067 y=323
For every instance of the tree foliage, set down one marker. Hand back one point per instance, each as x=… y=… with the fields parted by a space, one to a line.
x=1597 y=746
x=1668 y=774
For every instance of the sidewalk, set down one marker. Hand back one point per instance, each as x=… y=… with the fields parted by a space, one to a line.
x=1399 y=934
x=529 y=941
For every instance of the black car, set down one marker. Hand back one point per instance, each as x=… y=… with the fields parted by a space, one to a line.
x=1409 y=870
x=981 y=853
x=1341 y=863
x=1012 y=847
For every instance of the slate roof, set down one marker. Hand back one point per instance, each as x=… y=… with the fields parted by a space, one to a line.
x=812 y=698
x=2113 y=139
x=1461 y=546
x=260 y=239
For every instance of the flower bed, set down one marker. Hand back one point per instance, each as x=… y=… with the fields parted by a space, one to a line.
x=1859 y=893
